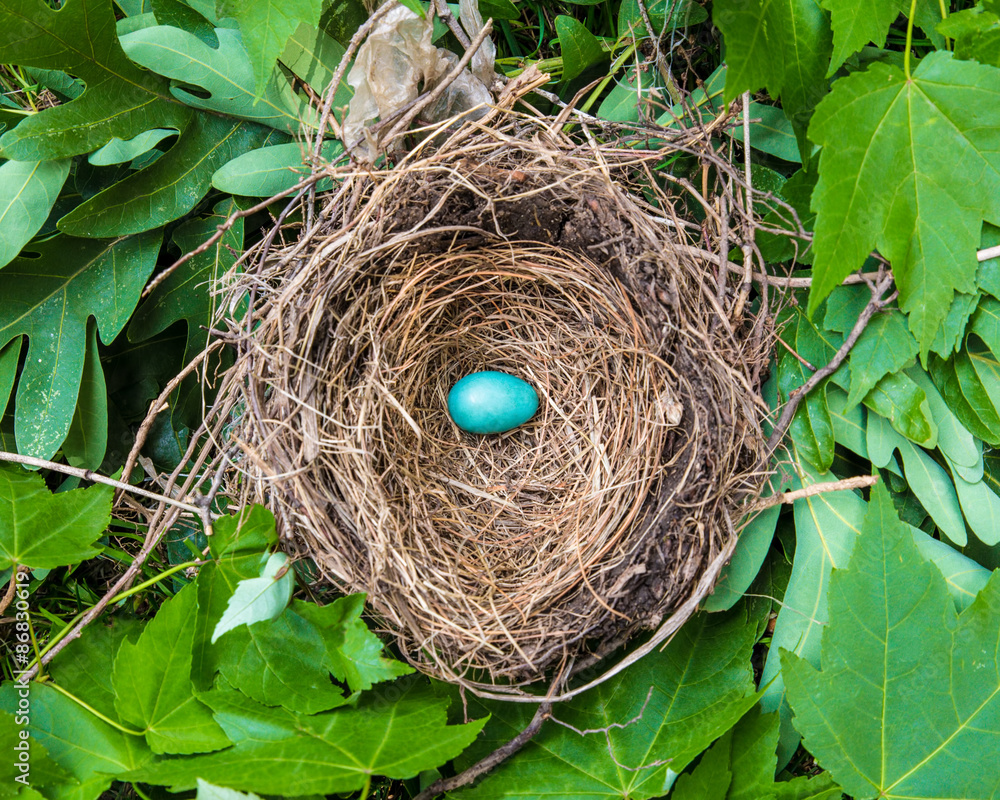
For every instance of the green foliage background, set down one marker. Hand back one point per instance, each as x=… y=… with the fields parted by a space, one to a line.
x=852 y=644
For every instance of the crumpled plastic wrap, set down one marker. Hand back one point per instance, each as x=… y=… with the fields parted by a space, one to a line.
x=485 y=57
x=398 y=61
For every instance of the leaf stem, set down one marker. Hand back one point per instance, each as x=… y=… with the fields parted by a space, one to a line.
x=116 y=599
x=909 y=38
x=94 y=711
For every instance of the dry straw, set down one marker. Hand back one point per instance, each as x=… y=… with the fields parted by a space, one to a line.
x=506 y=244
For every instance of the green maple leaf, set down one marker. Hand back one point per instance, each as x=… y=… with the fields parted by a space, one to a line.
x=266 y=26
x=912 y=167
x=353 y=653
x=855 y=24
x=49 y=299
x=280 y=753
x=826 y=525
x=280 y=662
x=885 y=347
x=907 y=700
x=238 y=543
x=782 y=46
x=121 y=100
x=45 y=530
x=646 y=723
x=43 y=771
x=741 y=766
x=976 y=32
x=152 y=682
x=84 y=745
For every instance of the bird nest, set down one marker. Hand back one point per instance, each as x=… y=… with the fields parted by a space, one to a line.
x=505 y=246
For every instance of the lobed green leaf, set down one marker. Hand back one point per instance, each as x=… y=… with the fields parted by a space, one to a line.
x=43 y=530
x=265 y=26
x=49 y=298
x=121 y=100
x=894 y=708
x=28 y=190
x=888 y=179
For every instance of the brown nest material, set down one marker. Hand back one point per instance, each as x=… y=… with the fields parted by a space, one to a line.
x=506 y=247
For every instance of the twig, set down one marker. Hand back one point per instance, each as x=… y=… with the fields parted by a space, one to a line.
x=222 y=228
x=795 y=353
x=331 y=90
x=746 y=150
x=581 y=115
x=874 y=305
x=859 y=482
x=160 y=402
x=445 y=15
x=8 y=596
x=90 y=475
x=748 y=247
x=661 y=64
x=771 y=280
x=498 y=756
x=988 y=253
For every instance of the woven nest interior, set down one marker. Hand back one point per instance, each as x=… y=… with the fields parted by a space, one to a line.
x=496 y=558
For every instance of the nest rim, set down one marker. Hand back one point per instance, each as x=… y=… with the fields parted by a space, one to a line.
x=273 y=471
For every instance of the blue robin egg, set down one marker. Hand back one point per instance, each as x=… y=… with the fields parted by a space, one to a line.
x=491 y=402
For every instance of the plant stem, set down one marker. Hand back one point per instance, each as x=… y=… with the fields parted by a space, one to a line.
x=615 y=66
x=909 y=38
x=116 y=599
x=94 y=711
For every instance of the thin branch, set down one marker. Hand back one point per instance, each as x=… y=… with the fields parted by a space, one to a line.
x=8 y=596
x=661 y=63
x=988 y=253
x=90 y=475
x=795 y=353
x=859 y=482
x=160 y=403
x=746 y=150
x=222 y=228
x=498 y=756
x=874 y=305
x=771 y=280
x=331 y=90
x=444 y=14
x=582 y=116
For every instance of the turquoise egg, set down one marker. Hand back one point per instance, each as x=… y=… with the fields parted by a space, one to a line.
x=491 y=402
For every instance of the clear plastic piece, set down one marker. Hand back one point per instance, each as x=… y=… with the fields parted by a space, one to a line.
x=398 y=61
